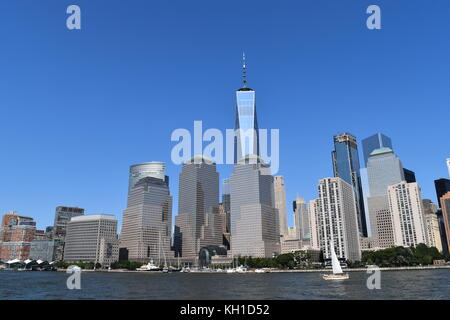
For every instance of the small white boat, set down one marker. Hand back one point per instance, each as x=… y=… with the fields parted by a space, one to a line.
x=149 y=267
x=241 y=269
x=231 y=270
x=260 y=271
x=337 y=270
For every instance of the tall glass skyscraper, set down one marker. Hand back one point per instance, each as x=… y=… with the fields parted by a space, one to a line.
x=346 y=166
x=246 y=141
x=374 y=142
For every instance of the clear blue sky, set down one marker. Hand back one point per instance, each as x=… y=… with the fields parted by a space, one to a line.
x=77 y=108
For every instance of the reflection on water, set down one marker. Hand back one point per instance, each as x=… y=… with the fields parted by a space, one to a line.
x=423 y=284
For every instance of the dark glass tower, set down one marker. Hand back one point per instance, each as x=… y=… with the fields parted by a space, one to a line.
x=346 y=166
x=410 y=176
x=376 y=141
x=442 y=187
x=246 y=140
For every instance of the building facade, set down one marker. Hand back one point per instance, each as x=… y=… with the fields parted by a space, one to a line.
x=384 y=168
x=254 y=218
x=16 y=234
x=346 y=166
x=336 y=217
x=92 y=238
x=63 y=215
x=280 y=204
x=147 y=222
x=198 y=223
x=140 y=171
x=374 y=142
x=445 y=206
x=405 y=203
x=442 y=186
x=301 y=219
x=313 y=227
x=44 y=250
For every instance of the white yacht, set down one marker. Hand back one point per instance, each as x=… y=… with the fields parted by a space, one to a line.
x=149 y=267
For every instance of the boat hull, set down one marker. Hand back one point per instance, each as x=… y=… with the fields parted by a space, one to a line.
x=335 y=276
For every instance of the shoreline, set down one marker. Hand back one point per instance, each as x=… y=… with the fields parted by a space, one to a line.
x=275 y=270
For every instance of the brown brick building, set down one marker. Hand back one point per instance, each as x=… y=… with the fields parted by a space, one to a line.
x=16 y=234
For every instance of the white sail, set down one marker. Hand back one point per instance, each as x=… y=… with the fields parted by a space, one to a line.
x=335 y=262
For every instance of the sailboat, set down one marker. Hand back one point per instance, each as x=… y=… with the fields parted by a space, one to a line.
x=337 y=270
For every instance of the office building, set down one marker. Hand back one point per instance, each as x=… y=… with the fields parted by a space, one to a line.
x=384 y=168
x=410 y=176
x=405 y=203
x=442 y=186
x=198 y=223
x=445 y=206
x=336 y=217
x=432 y=231
x=226 y=202
x=280 y=204
x=147 y=222
x=63 y=215
x=346 y=166
x=254 y=222
x=92 y=238
x=140 y=171
x=16 y=234
x=44 y=249
x=246 y=140
x=374 y=142
x=301 y=219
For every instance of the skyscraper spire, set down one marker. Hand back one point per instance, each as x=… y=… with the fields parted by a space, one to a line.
x=244 y=70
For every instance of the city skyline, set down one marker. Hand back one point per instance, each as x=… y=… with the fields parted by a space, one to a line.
x=82 y=159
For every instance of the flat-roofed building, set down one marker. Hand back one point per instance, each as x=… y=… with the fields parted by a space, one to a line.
x=17 y=233
x=92 y=238
x=337 y=221
x=254 y=218
x=405 y=203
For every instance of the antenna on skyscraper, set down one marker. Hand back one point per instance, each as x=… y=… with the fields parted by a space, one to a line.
x=244 y=70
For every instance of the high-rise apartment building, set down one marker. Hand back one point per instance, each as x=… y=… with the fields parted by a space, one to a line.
x=442 y=187
x=445 y=205
x=346 y=166
x=246 y=141
x=254 y=222
x=280 y=204
x=313 y=227
x=336 y=219
x=147 y=221
x=198 y=223
x=374 y=142
x=432 y=231
x=405 y=203
x=16 y=234
x=92 y=238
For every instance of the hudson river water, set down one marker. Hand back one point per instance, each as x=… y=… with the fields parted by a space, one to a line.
x=417 y=284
